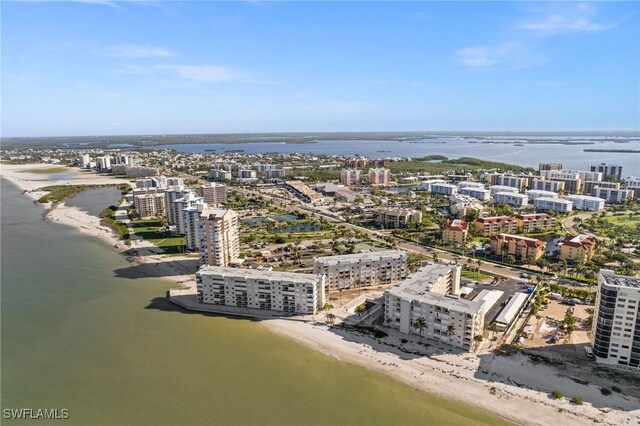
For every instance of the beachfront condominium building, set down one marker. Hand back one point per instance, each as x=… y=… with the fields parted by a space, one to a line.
x=578 y=248
x=589 y=186
x=571 y=174
x=613 y=196
x=518 y=182
x=362 y=269
x=608 y=170
x=220 y=174
x=553 y=204
x=550 y=166
x=427 y=184
x=570 y=178
x=134 y=171
x=455 y=231
x=615 y=336
x=218 y=236
x=190 y=199
x=190 y=218
x=431 y=293
x=481 y=194
x=84 y=160
x=501 y=188
x=173 y=210
x=535 y=222
x=586 y=202
x=522 y=248
x=149 y=202
x=494 y=225
x=288 y=292
x=350 y=177
x=537 y=193
x=516 y=200
x=397 y=217
x=547 y=185
x=103 y=163
x=633 y=185
x=379 y=177
x=444 y=188
x=214 y=194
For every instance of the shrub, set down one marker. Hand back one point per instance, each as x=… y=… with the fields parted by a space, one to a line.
x=605 y=391
x=576 y=400
x=557 y=394
x=616 y=389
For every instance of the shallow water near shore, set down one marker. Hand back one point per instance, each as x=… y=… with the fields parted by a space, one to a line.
x=113 y=351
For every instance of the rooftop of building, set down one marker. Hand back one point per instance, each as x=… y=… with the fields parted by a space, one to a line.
x=581 y=240
x=553 y=200
x=619 y=280
x=370 y=255
x=213 y=213
x=512 y=194
x=255 y=274
x=492 y=219
x=531 y=242
x=583 y=197
x=456 y=225
x=416 y=287
x=534 y=216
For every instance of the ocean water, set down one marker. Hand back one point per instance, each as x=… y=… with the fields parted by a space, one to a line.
x=82 y=329
x=528 y=155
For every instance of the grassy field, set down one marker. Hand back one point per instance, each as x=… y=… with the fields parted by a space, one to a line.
x=473 y=275
x=59 y=193
x=47 y=171
x=149 y=230
x=623 y=220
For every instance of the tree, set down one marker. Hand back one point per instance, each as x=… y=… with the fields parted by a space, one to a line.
x=478 y=339
x=493 y=328
x=420 y=324
x=451 y=330
x=331 y=318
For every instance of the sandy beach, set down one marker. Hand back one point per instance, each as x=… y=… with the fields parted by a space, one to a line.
x=510 y=386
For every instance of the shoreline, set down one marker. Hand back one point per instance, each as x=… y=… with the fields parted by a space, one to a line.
x=501 y=391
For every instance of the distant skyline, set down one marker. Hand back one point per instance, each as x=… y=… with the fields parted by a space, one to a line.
x=99 y=67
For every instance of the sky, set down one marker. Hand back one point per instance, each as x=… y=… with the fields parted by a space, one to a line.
x=98 y=67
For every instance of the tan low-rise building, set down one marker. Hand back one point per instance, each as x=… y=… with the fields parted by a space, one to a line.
x=398 y=217
x=494 y=225
x=578 y=248
x=537 y=222
x=455 y=231
x=519 y=247
x=362 y=269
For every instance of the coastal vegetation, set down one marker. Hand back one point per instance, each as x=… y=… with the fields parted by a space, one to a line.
x=108 y=216
x=48 y=170
x=436 y=164
x=59 y=193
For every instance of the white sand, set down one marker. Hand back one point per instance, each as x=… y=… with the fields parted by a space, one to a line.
x=524 y=398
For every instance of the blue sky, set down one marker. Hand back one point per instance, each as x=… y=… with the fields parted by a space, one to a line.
x=105 y=68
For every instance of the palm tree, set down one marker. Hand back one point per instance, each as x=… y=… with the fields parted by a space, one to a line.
x=420 y=324
x=451 y=330
x=493 y=328
x=331 y=318
x=478 y=338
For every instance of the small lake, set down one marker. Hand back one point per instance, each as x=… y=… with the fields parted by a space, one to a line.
x=93 y=201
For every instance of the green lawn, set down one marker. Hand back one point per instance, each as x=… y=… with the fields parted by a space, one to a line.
x=46 y=171
x=473 y=275
x=623 y=220
x=149 y=230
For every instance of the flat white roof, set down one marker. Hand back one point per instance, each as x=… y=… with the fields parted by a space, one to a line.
x=371 y=255
x=258 y=274
x=490 y=298
x=509 y=312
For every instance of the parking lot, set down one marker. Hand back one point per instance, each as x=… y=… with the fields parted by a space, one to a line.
x=509 y=287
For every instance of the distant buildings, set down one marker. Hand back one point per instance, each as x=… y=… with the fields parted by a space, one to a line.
x=219 y=237
x=220 y=175
x=536 y=193
x=455 y=231
x=379 y=177
x=476 y=192
x=536 y=222
x=633 y=184
x=550 y=166
x=578 y=248
x=547 y=185
x=247 y=175
x=517 y=246
x=589 y=186
x=586 y=202
x=613 y=196
x=494 y=225
x=257 y=289
x=444 y=189
x=214 y=194
x=553 y=204
x=432 y=294
x=134 y=171
x=103 y=164
x=84 y=160
x=512 y=199
x=302 y=191
x=397 y=217
x=276 y=174
x=608 y=170
x=501 y=188
x=428 y=184
x=615 y=336
x=362 y=269
x=358 y=163
x=518 y=182
x=350 y=177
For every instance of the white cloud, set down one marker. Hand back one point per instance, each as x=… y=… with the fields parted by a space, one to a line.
x=510 y=55
x=135 y=51
x=109 y=3
x=199 y=73
x=579 y=18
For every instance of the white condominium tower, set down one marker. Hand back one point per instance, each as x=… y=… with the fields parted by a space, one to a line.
x=219 y=238
x=266 y=290
x=214 y=193
x=615 y=335
x=362 y=269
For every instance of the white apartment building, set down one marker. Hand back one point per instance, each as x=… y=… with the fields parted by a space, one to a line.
x=427 y=184
x=190 y=217
x=214 y=194
x=547 y=185
x=379 y=177
x=362 y=269
x=532 y=194
x=397 y=217
x=611 y=195
x=103 y=163
x=607 y=170
x=494 y=189
x=518 y=182
x=84 y=160
x=258 y=289
x=633 y=184
x=350 y=177
x=586 y=202
x=170 y=196
x=276 y=174
x=476 y=192
x=615 y=336
x=218 y=236
x=444 y=188
x=144 y=183
x=432 y=293
x=571 y=174
x=219 y=174
x=553 y=204
x=149 y=202
x=247 y=175
x=134 y=171
x=189 y=199
x=470 y=184
x=175 y=181
x=517 y=200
